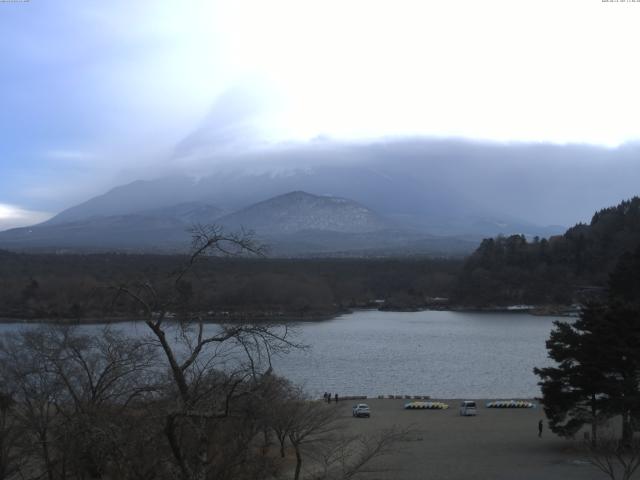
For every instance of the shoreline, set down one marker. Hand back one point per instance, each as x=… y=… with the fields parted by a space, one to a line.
x=231 y=319
x=294 y=317
x=430 y=398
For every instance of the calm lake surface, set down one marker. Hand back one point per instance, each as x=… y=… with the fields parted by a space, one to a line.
x=442 y=354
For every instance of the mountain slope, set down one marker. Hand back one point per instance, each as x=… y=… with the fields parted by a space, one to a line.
x=156 y=228
x=188 y=213
x=293 y=224
x=298 y=211
x=131 y=198
x=121 y=232
x=439 y=187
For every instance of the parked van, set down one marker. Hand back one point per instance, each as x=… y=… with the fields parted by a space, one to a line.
x=468 y=408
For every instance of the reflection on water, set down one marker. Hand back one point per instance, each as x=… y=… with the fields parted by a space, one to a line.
x=442 y=354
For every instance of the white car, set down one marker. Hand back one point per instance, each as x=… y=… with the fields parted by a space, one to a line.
x=361 y=410
x=468 y=408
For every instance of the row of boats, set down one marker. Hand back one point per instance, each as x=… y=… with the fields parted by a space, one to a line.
x=426 y=406
x=493 y=404
x=511 y=404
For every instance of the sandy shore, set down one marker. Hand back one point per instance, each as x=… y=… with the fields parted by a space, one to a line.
x=497 y=444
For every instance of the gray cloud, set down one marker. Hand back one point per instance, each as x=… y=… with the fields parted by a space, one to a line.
x=94 y=97
x=431 y=180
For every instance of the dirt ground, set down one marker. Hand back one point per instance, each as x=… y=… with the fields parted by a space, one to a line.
x=497 y=444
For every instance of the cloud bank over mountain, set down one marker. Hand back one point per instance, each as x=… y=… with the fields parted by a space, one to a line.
x=99 y=94
x=539 y=182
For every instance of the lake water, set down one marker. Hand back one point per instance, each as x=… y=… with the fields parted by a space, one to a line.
x=438 y=353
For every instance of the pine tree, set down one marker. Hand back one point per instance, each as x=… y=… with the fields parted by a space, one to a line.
x=598 y=360
x=574 y=391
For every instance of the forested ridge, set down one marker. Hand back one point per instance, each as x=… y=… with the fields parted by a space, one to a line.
x=81 y=287
x=508 y=270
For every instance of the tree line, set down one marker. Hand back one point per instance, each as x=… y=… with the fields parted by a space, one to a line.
x=78 y=287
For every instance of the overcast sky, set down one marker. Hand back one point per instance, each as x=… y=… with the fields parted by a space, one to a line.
x=93 y=93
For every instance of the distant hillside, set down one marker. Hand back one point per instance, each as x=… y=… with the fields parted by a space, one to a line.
x=123 y=232
x=135 y=197
x=187 y=212
x=295 y=224
x=153 y=229
x=298 y=211
x=381 y=243
x=506 y=270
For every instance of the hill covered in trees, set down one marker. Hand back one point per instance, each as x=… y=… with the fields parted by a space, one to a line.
x=561 y=270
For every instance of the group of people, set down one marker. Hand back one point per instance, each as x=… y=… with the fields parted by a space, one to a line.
x=327 y=397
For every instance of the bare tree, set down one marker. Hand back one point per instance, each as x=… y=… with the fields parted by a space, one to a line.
x=617 y=459
x=312 y=423
x=36 y=390
x=316 y=434
x=211 y=367
x=285 y=399
x=11 y=461
x=347 y=457
x=72 y=390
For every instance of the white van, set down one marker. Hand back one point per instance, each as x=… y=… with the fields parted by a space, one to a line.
x=468 y=408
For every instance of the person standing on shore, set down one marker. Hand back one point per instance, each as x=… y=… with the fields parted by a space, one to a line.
x=540 y=424
x=336 y=397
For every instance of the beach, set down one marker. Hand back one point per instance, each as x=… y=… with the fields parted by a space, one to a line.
x=497 y=444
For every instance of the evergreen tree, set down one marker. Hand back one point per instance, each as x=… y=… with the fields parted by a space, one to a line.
x=619 y=336
x=598 y=360
x=574 y=391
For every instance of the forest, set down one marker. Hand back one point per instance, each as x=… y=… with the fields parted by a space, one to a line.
x=563 y=269
x=82 y=287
